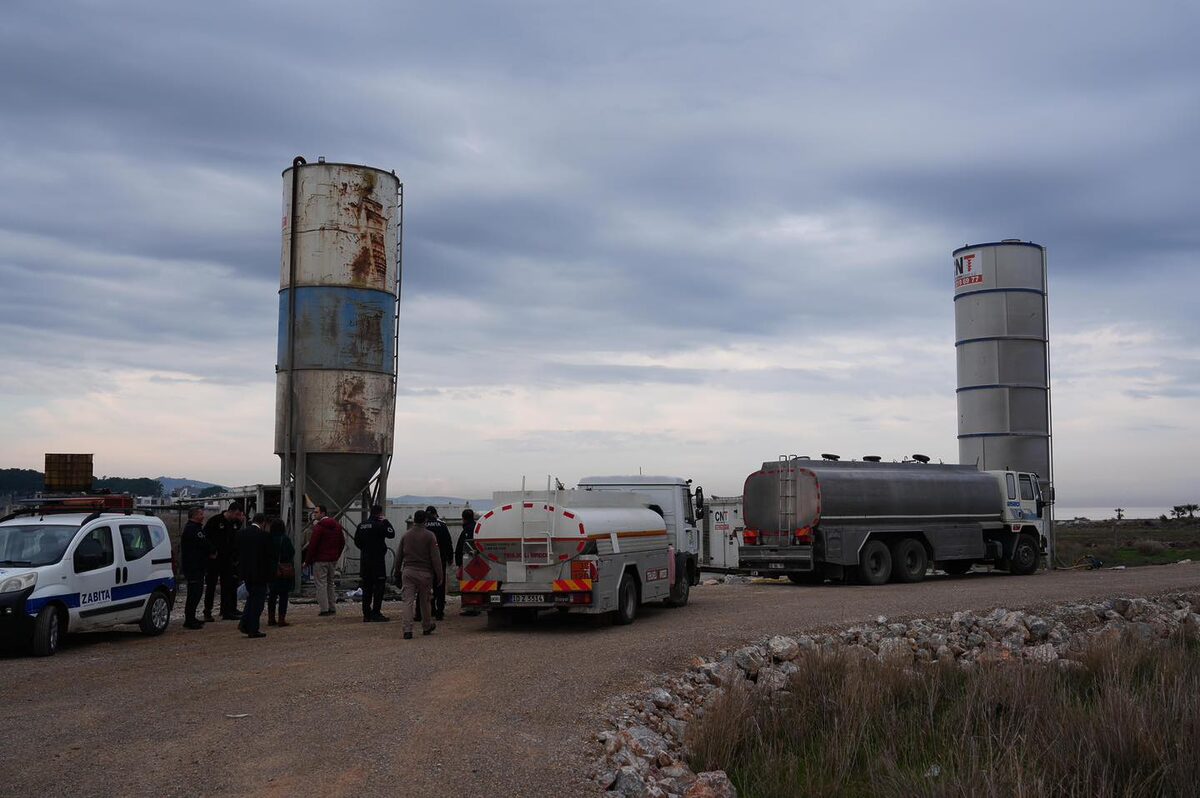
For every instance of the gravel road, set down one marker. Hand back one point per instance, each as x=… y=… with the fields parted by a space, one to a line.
x=339 y=707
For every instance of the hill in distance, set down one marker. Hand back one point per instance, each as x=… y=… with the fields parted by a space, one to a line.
x=441 y=501
x=174 y=483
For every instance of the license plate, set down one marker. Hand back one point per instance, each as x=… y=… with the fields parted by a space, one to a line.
x=777 y=565
x=526 y=598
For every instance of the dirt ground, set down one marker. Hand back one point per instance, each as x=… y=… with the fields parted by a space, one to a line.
x=338 y=707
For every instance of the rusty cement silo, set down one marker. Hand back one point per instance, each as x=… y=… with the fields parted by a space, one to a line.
x=339 y=301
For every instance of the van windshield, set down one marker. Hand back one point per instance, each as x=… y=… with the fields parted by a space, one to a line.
x=34 y=544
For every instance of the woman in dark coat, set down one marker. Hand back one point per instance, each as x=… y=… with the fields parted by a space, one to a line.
x=281 y=586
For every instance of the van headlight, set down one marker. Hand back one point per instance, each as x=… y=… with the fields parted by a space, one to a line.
x=15 y=583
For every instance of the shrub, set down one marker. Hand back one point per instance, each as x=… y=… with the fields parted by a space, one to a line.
x=1150 y=548
x=1123 y=722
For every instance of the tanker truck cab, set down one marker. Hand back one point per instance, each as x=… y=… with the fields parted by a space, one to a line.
x=674 y=500
x=70 y=572
x=607 y=546
x=1024 y=532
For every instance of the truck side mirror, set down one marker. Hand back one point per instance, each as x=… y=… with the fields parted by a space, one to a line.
x=699 y=501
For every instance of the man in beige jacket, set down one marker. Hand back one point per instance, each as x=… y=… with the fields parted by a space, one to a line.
x=420 y=566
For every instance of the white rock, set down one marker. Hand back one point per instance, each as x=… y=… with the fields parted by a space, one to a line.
x=783 y=649
x=749 y=659
x=895 y=650
x=711 y=784
x=772 y=680
x=661 y=698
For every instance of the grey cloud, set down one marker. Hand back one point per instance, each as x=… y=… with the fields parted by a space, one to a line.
x=590 y=178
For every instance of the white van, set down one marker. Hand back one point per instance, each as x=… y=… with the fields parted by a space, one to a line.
x=75 y=572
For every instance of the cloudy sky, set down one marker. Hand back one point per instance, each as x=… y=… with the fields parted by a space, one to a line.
x=677 y=236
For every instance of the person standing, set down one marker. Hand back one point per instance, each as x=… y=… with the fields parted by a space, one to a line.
x=256 y=567
x=371 y=537
x=193 y=563
x=284 y=552
x=221 y=532
x=446 y=548
x=465 y=548
x=323 y=551
x=420 y=566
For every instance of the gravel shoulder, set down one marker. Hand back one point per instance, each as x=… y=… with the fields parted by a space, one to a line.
x=338 y=707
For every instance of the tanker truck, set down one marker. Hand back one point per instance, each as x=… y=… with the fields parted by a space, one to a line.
x=873 y=522
x=607 y=546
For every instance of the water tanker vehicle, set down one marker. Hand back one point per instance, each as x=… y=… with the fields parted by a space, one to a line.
x=873 y=522
x=606 y=547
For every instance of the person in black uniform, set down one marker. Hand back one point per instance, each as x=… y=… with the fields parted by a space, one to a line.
x=371 y=537
x=257 y=565
x=193 y=562
x=221 y=532
x=446 y=549
x=465 y=548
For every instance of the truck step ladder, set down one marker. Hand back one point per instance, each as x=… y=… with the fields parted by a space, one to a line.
x=535 y=541
x=787 y=499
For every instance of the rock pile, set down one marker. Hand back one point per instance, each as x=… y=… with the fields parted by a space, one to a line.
x=645 y=753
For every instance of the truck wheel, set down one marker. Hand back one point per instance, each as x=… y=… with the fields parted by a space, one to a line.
x=682 y=587
x=909 y=561
x=627 y=600
x=875 y=563
x=1025 y=556
x=956 y=567
x=47 y=630
x=814 y=577
x=157 y=615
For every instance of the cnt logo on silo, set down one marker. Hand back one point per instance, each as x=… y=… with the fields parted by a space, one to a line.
x=967 y=270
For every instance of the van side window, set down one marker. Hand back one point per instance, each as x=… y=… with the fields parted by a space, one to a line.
x=1026 y=488
x=135 y=539
x=95 y=550
x=1012 y=486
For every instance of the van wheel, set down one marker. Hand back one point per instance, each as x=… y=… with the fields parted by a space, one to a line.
x=627 y=600
x=875 y=563
x=909 y=561
x=1025 y=556
x=157 y=614
x=682 y=587
x=47 y=631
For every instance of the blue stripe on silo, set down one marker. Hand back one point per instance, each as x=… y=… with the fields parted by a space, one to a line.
x=339 y=328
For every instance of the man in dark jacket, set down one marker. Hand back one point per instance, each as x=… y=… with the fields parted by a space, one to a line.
x=221 y=533
x=256 y=567
x=446 y=548
x=464 y=549
x=193 y=562
x=371 y=537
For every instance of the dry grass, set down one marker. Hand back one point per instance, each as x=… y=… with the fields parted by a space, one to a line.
x=1125 y=723
x=1150 y=548
x=1129 y=543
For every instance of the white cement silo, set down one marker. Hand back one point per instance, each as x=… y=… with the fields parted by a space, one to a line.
x=1002 y=342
